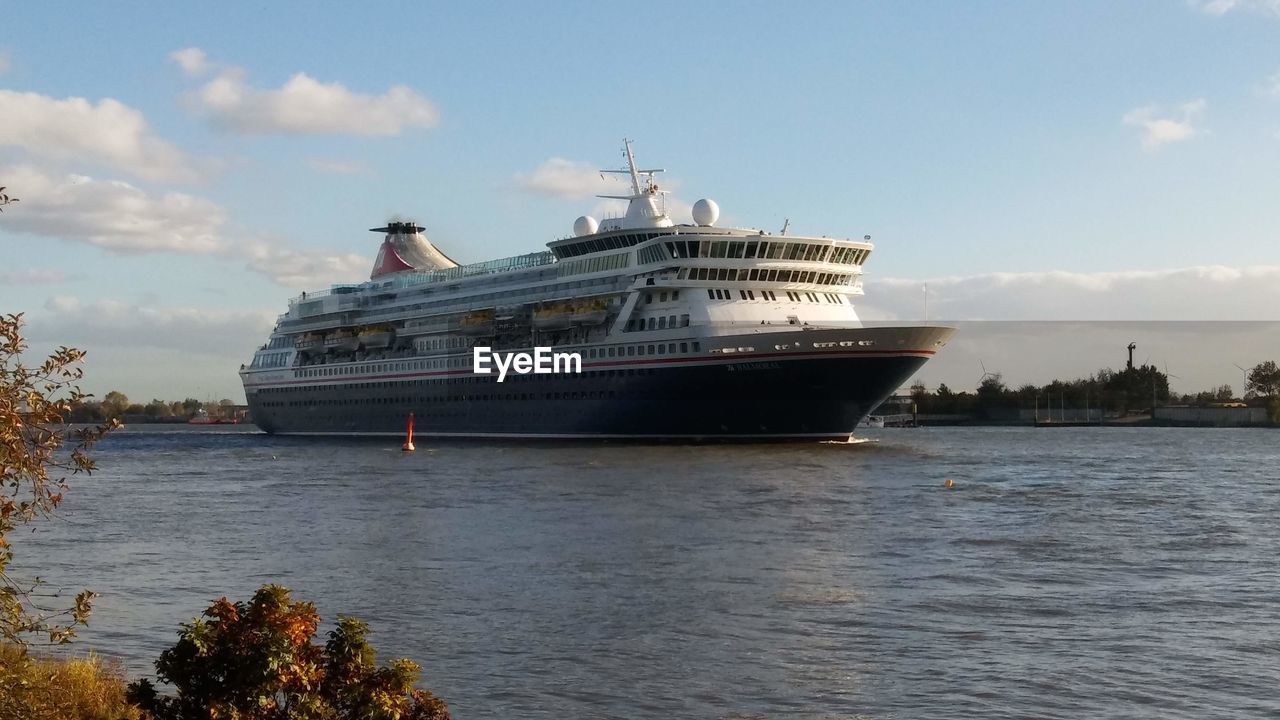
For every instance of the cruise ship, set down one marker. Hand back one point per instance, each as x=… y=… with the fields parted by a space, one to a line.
x=682 y=330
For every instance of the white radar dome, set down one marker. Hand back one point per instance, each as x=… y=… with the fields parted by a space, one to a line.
x=585 y=225
x=706 y=212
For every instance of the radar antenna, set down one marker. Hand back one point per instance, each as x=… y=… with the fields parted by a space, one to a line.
x=786 y=223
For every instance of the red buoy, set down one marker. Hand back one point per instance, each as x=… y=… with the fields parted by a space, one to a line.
x=408 y=438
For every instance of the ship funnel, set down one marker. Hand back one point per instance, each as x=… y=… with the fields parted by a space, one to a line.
x=406 y=248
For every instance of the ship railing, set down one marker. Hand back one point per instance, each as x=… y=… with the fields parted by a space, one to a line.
x=518 y=262
x=402 y=280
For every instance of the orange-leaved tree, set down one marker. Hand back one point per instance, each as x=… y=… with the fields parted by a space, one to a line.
x=256 y=660
x=37 y=453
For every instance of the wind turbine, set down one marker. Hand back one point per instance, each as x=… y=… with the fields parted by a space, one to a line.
x=1168 y=374
x=1244 y=381
x=985 y=374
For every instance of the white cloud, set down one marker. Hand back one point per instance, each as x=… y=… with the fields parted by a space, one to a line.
x=1160 y=128
x=113 y=215
x=1213 y=292
x=576 y=180
x=1271 y=88
x=303 y=105
x=305 y=269
x=1222 y=7
x=121 y=218
x=73 y=321
x=108 y=133
x=570 y=179
x=192 y=60
x=338 y=167
x=36 y=276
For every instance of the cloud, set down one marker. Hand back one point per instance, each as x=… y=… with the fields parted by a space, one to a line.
x=576 y=180
x=36 y=276
x=121 y=218
x=108 y=133
x=113 y=215
x=302 y=106
x=192 y=60
x=338 y=167
x=1213 y=292
x=305 y=269
x=570 y=179
x=1222 y=7
x=1271 y=88
x=1160 y=130
x=73 y=321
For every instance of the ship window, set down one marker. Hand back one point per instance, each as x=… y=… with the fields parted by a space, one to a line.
x=743 y=293
x=751 y=249
x=662 y=297
x=684 y=347
x=648 y=298
x=697 y=346
x=653 y=323
x=751 y=295
x=631 y=350
x=719 y=248
x=711 y=293
x=735 y=249
x=671 y=321
x=662 y=323
x=684 y=320
x=650 y=352
x=675 y=295
x=611 y=352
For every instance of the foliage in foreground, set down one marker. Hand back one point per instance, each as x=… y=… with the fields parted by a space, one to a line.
x=34 y=465
x=257 y=661
x=33 y=688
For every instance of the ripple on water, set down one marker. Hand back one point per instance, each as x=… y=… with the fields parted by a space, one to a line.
x=1106 y=572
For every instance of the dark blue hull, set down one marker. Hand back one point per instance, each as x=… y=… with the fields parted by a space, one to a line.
x=761 y=398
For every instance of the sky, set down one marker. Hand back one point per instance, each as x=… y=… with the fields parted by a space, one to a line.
x=183 y=171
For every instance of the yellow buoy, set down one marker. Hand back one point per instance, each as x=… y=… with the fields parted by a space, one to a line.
x=948 y=483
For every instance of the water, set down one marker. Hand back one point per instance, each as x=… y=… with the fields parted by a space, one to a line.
x=1071 y=572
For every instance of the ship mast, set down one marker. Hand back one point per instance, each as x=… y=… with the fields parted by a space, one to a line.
x=642 y=211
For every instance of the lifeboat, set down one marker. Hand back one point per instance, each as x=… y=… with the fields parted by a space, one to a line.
x=553 y=316
x=342 y=341
x=478 y=322
x=558 y=316
x=310 y=342
x=376 y=336
x=589 y=312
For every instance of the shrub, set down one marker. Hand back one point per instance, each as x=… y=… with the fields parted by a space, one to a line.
x=34 y=465
x=257 y=661
x=88 y=688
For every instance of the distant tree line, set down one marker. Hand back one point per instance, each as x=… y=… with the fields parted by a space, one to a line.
x=116 y=405
x=1130 y=390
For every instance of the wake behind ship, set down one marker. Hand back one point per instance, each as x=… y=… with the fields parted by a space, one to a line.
x=684 y=331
